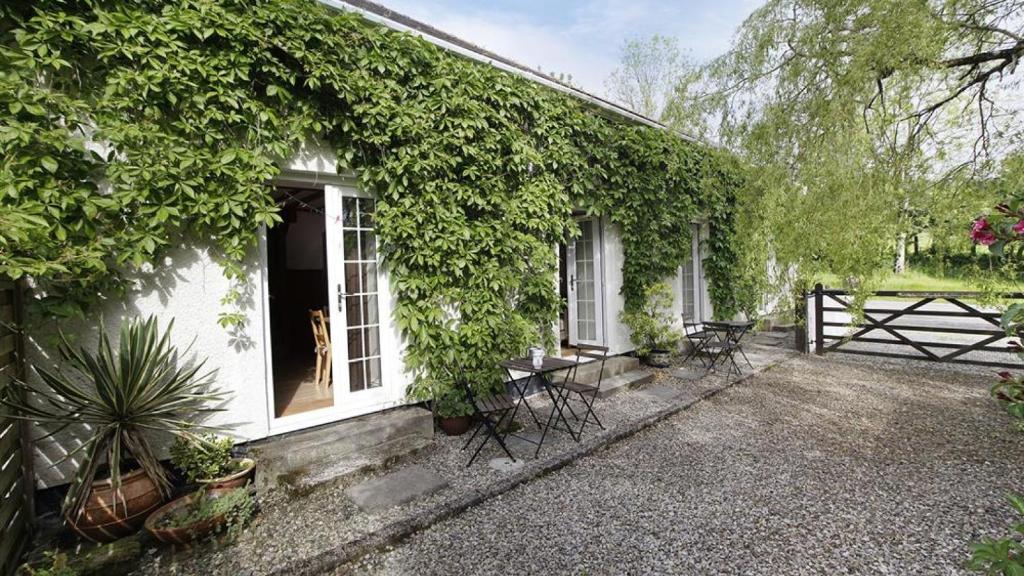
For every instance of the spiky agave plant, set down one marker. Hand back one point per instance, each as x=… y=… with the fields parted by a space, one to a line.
x=124 y=396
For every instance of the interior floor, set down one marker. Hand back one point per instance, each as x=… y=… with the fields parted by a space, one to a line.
x=296 y=391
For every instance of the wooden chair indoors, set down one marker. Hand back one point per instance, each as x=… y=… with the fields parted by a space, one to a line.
x=322 y=347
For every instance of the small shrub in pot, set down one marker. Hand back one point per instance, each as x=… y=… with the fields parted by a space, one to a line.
x=207 y=459
x=651 y=324
x=454 y=412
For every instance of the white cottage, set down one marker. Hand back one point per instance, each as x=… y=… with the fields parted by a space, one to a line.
x=324 y=257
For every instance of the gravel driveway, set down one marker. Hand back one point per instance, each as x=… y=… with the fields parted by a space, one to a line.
x=819 y=466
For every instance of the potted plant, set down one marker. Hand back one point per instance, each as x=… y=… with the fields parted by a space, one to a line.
x=124 y=397
x=651 y=324
x=207 y=460
x=200 y=514
x=454 y=412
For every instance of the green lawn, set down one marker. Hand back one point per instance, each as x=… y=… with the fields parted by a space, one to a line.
x=917 y=281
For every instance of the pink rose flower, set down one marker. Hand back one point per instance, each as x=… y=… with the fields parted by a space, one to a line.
x=979 y=225
x=1019 y=227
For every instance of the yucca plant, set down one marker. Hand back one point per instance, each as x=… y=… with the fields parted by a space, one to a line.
x=125 y=396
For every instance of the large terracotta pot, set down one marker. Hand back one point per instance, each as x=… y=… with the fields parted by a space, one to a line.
x=179 y=535
x=108 y=516
x=455 y=425
x=236 y=480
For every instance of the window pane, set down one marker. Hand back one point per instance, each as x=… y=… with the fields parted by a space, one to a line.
x=352 y=278
x=372 y=341
x=373 y=372
x=369 y=276
x=370 y=309
x=352 y=315
x=356 y=378
x=351 y=240
x=355 y=343
x=366 y=207
x=368 y=246
x=349 y=212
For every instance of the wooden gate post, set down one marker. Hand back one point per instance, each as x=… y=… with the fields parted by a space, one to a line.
x=21 y=372
x=819 y=328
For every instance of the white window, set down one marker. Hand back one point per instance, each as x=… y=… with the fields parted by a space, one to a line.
x=691 y=278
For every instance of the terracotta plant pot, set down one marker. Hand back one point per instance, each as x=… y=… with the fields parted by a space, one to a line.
x=455 y=425
x=179 y=535
x=658 y=358
x=238 y=479
x=108 y=517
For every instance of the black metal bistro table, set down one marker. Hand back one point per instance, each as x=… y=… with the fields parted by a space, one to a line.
x=734 y=331
x=543 y=375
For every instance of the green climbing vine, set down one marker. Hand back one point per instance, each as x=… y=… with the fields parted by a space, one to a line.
x=133 y=127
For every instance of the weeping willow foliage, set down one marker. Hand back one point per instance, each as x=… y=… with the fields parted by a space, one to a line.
x=863 y=116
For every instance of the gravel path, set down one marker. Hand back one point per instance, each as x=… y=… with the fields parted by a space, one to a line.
x=819 y=466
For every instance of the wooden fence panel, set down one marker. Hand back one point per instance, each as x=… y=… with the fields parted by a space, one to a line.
x=15 y=466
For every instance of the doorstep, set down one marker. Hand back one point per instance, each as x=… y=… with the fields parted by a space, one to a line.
x=301 y=461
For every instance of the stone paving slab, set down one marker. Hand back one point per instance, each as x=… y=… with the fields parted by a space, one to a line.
x=405 y=485
x=661 y=392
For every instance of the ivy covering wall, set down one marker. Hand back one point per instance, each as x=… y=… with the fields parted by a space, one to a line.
x=197 y=103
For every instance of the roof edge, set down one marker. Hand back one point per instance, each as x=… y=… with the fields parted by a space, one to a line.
x=397 y=21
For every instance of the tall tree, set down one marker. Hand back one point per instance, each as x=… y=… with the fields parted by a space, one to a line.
x=854 y=109
x=646 y=77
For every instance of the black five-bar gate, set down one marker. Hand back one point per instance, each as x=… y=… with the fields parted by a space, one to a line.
x=907 y=328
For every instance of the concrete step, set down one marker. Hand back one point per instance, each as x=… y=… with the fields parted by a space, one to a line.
x=306 y=459
x=622 y=382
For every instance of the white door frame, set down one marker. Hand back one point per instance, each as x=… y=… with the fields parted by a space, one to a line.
x=392 y=392
x=597 y=277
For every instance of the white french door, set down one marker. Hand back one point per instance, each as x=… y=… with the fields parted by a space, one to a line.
x=586 y=285
x=355 y=282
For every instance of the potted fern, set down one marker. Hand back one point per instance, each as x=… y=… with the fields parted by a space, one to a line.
x=651 y=324
x=126 y=397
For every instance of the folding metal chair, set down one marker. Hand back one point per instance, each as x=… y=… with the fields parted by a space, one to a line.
x=722 y=350
x=489 y=411
x=587 y=393
x=698 y=338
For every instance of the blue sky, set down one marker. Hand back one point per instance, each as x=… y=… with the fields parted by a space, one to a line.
x=581 y=37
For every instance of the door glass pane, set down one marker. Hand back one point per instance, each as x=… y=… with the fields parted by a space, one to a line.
x=355 y=343
x=369 y=278
x=351 y=241
x=367 y=246
x=370 y=308
x=350 y=212
x=353 y=315
x=586 y=305
x=373 y=373
x=361 y=305
x=356 y=376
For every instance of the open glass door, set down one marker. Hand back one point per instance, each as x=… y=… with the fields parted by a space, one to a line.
x=585 y=286
x=354 y=280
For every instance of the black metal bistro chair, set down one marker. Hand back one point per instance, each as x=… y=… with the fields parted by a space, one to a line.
x=585 y=394
x=489 y=412
x=698 y=338
x=724 y=348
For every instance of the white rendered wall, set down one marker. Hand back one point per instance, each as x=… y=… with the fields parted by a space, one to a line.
x=187 y=287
